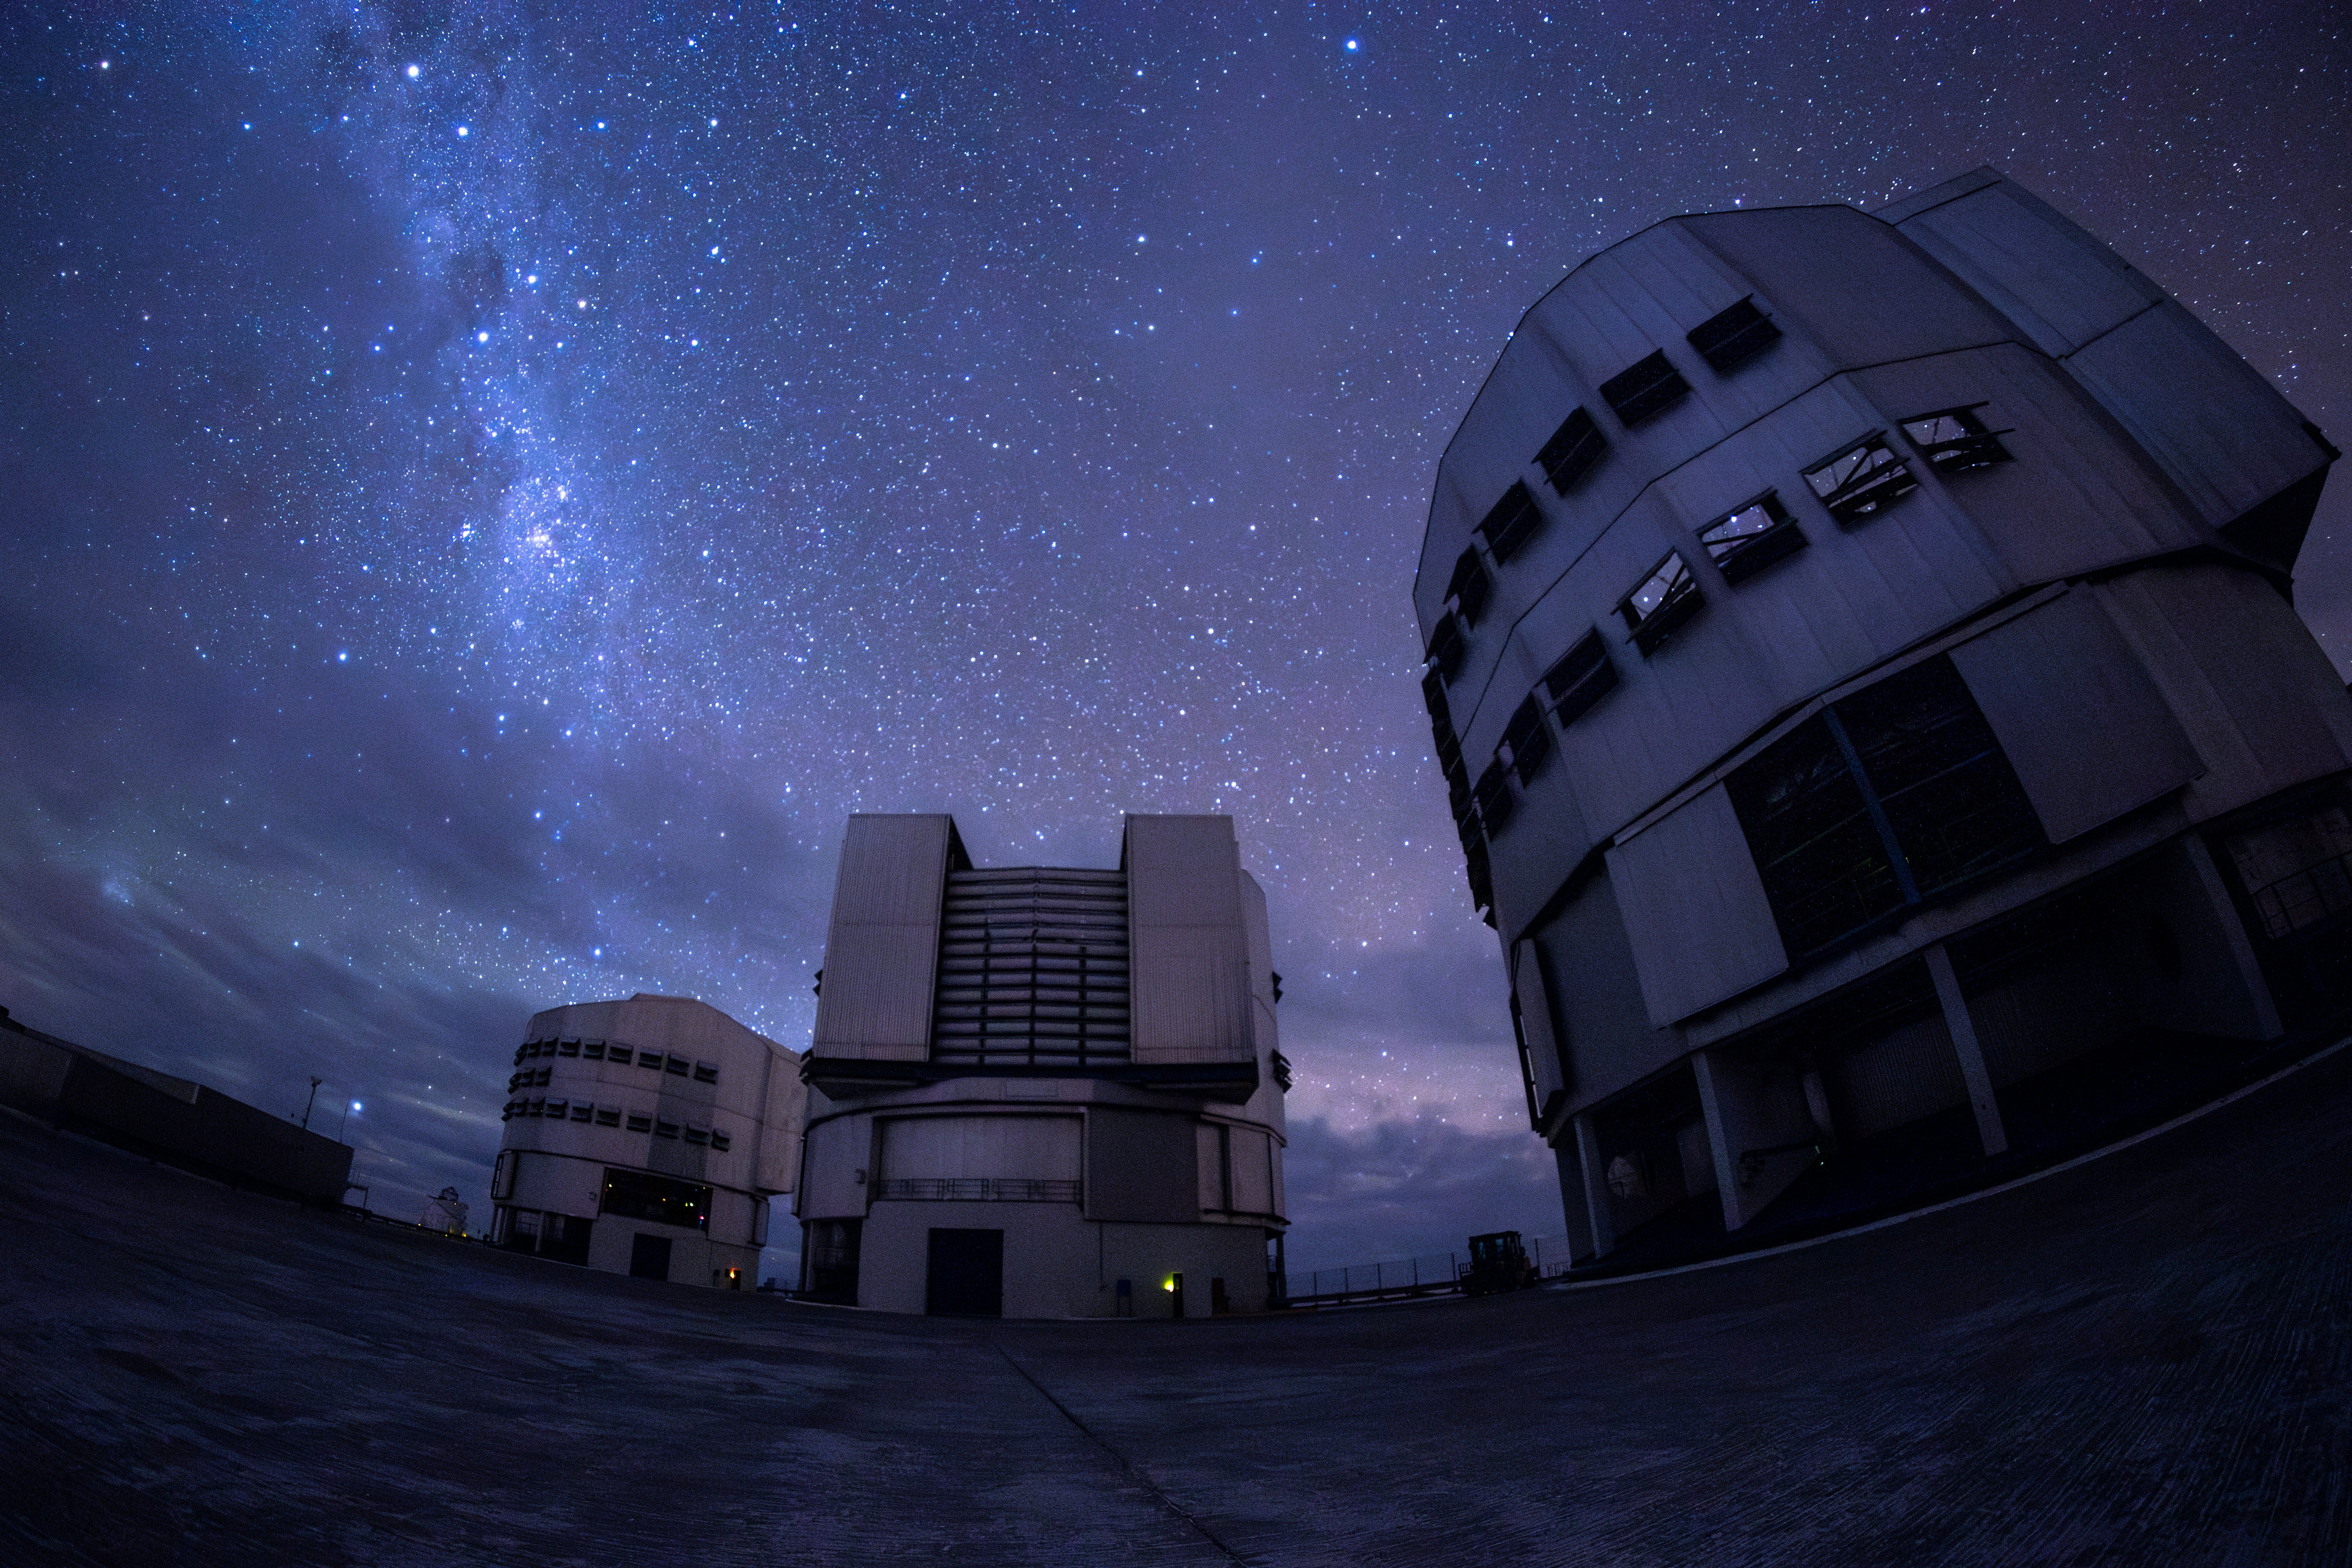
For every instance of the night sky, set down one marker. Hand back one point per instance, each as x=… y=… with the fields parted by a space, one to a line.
x=487 y=489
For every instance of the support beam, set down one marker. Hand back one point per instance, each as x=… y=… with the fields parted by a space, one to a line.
x=1963 y=1030
x=1758 y=1127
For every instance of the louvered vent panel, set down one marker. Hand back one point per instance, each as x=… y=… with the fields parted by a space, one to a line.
x=1033 y=968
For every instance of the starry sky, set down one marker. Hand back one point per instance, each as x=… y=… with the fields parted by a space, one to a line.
x=486 y=489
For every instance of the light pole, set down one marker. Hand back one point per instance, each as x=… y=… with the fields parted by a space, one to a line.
x=346 y=1122
x=310 y=1102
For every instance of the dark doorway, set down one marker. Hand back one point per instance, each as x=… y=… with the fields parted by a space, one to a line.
x=649 y=1257
x=967 y=1274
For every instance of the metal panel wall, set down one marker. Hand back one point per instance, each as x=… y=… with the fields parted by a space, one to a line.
x=781 y=1119
x=881 y=953
x=1142 y=1166
x=1545 y=1059
x=1694 y=909
x=1605 y=1036
x=1253 y=1171
x=1189 y=948
x=1015 y=1147
x=833 y=1168
x=2084 y=726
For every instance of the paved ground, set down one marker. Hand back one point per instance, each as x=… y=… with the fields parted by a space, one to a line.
x=2144 y=1359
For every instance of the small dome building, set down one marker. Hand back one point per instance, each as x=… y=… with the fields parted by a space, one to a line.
x=646 y=1136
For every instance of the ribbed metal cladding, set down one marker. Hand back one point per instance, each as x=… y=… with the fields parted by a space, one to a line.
x=1033 y=968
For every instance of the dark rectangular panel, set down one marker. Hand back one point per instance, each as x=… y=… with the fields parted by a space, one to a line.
x=965 y=1278
x=2084 y=726
x=1141 y=1167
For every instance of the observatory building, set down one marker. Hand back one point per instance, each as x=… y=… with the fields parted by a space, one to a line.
x=1043 y=1093
x=646 y=1136
x=1860 y=657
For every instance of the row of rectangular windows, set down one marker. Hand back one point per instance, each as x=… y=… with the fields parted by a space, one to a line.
x=619 y=1055
x=1854 y=485
x=615 y=1116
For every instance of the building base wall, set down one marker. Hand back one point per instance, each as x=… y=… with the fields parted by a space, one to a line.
x=1060 y=1263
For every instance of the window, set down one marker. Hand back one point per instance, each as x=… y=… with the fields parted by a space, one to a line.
x=652 y=1059
x=540 y=1079
x=502 y=1174
x=514 y=1108
x=641 y=1195
x=1956 y=440
x=664 y=1127
x=640 y=1122
x=1667 y=597
x=1510 y=523
x=617 y=1055
x=516 y=1081
x=593 y=1050
x=1528 y=738
x=1469 y=586
x=1880 y=801
x=1650 y=386
x=1445 y=645
x=521 y=1052
x=1862 y=481
x=2298 y=872
x=719 y=1140
x=555 y=1108
x=706 y=1072
x=1281 y=1071
x=582 y=1111
x=678 y=1065
x=1572 y=450
x=1580 y=679
x=568 y=1048
x=1482 y=877
x=697 y=1134
x=1735 y=335
x=1494 y=800
x=608 y=1116
x=1743 y=543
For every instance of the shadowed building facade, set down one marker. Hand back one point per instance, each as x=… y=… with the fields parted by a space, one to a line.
x=1860 y=659
x=1044 y=1093
x=646 y=1136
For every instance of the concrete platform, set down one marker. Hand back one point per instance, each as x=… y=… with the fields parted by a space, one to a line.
x=2144 y=1359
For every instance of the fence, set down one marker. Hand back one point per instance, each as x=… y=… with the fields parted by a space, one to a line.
x=1429 y=1273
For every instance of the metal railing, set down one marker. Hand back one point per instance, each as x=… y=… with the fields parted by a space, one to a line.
x=982 y=1189
x=1402 y=1279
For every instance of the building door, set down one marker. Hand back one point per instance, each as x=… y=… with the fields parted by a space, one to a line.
x=649 y=1257
x=967 y=1274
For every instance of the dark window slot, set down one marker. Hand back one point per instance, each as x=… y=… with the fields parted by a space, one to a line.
x=1744 y=542
x=1445 y=645
x=1511 y=522
x=1661 y=603
x=1581 y=676
x=1862 y=481
x=1956 y=440
x=1572 y=450
x=1529 y=738
x=1495 y=798
x=1469 y=586
x=1650 y=385
x=1731 y=337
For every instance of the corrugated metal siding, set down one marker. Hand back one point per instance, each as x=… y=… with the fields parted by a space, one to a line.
x=1033 y=968
x=1189 y=952
x=884 y=943
x=1694 y=909
x=2082 y=723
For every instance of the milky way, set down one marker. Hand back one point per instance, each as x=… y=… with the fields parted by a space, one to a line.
x=488 y=490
